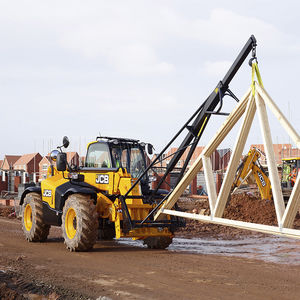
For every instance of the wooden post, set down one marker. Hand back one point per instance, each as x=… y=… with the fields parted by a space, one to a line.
x=210 y=182
x=235 y=158
x=271 y=162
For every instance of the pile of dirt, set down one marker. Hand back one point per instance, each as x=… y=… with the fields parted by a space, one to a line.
x=247 y=207
x=6 y=211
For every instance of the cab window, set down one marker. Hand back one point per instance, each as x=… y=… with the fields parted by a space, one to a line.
x=98 y=156
x=137 y=164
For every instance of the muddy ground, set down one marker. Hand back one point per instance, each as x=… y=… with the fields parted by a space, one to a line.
x=121 y=271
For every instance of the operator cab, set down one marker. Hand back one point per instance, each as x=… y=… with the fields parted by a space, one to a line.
x=114 y=153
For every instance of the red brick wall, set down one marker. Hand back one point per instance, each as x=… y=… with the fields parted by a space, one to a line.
x=3 y=184
x=18 y=180
x=33 y=165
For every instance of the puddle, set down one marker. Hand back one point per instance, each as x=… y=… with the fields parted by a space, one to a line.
x=270 y=249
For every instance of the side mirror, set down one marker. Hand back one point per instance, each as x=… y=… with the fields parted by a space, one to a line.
x=149 y=149
x=61 y=162
x=66 y=142
x=53 y=155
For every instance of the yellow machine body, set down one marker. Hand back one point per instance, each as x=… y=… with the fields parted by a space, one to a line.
x=109 y=185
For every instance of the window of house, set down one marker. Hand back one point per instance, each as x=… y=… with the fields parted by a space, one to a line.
x=44 y=167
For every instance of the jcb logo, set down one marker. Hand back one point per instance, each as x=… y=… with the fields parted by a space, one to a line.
x=47 y=193
x=104 y=179
x=261 y=178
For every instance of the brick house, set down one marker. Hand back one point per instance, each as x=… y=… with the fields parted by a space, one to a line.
x=43 y=167
x=280 y=150
x=219 y=158
x=73 y=158
x=9 y=161
x=28 y=166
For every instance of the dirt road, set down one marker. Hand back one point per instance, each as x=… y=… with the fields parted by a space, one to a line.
x=118 y=271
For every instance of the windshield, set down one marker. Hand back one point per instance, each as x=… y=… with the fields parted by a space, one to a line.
x=137 y=163
x=98 y=156
x=131 y=158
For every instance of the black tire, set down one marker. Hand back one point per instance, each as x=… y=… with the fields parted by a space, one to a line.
x=158 y=242
x=80 y=222
x=32 y=219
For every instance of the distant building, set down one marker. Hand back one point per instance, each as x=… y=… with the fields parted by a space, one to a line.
x=280 y=150
x=44 y=164
x=73 y=158
x=28 y=163
x=219 y=158
x=8 y=162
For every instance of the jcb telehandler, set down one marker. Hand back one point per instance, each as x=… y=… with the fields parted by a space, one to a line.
x=111 y=192
x=87 y=201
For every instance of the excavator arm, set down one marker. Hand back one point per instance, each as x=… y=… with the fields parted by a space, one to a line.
x=248 y=166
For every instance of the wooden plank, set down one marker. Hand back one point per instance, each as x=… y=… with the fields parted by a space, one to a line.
x=294 y=233
x=292 y=206
x=279 y=115
x=210 y=148
x=210 y=182
x=271 y=162
x=235 y=158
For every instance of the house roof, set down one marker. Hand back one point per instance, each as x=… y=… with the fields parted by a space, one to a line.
x=9 y=160
x=1 y=162
x=46 y=157
x=26 y=158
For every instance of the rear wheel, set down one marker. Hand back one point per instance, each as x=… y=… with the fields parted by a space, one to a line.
x=79 y=223
x=158 y=242
x=32 y=218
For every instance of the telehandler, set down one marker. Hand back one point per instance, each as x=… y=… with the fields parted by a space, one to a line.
x=111 y=193
x=87 y=201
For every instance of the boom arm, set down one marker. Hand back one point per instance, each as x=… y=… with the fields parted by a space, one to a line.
x=196 y=126
x=216 y=97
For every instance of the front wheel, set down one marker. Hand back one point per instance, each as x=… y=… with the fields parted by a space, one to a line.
x=32 y=219
x=79 y=223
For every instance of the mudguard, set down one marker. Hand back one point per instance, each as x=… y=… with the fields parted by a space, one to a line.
x=30 y=189
x=63 y=191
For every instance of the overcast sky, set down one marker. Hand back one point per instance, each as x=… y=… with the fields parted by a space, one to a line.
x=136 y=69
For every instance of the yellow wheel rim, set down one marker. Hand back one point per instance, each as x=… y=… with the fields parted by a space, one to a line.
x=71 y=223
x=28 y=217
